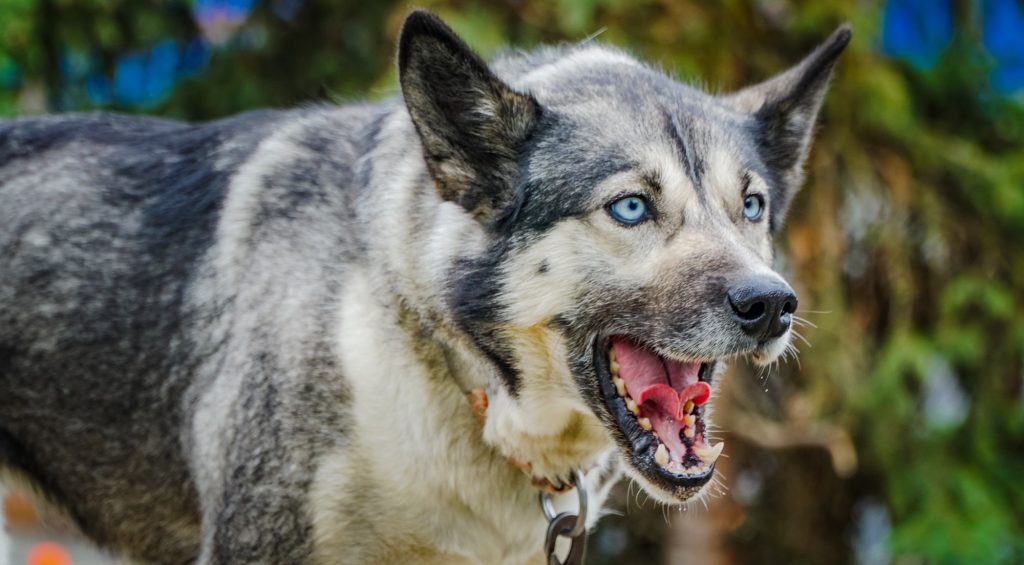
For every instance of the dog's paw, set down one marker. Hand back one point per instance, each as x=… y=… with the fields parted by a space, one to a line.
x=547 y=450
x=552 y=471
x=478 y=404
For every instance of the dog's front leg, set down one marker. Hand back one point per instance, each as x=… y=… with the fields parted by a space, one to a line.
x=254 y=499
x=256 y=519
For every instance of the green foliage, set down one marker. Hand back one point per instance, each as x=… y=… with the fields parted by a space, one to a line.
x=907 y=233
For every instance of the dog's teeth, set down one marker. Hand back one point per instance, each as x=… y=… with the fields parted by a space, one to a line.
x=661 y=455
x=620 y=386
x=718 y=451
x=631 y=404
x=688 y=407
x=690 y=421
x=645 y=423
x=614 y=367
x=689 y=431
x=709 y=454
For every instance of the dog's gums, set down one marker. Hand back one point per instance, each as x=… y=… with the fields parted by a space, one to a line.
x=660 y=405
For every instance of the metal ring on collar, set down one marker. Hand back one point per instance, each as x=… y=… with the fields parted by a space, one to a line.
x=581 y=493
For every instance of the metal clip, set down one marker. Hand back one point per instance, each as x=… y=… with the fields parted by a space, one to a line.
x=568 y=525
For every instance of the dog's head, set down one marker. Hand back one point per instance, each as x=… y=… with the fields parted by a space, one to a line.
x=629 y=221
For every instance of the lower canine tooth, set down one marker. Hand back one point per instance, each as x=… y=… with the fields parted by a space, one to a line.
x=690 y=420
x=689 y=432
x=614 y=367
x=661 y=455
x=645 y=423
x=709 y=454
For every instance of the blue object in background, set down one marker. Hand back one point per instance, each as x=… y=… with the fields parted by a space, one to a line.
x=1003 y=36
x=144 y=79
x=162 y=72
x=229 y=11
x=917 y=30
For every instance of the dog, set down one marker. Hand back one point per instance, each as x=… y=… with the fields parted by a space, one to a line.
x=253 y=340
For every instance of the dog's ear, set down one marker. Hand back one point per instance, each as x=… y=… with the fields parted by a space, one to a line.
x=472 y=124
x=784 y=109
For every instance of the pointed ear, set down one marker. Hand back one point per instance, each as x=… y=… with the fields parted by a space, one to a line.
x=784 y=109
x=471 y=124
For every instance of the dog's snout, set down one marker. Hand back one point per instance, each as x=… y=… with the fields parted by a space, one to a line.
x=762 y=307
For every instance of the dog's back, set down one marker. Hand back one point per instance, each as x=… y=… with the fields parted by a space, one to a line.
x=104 y=221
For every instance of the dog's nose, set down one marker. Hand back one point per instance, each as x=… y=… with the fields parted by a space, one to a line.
x=763 y=307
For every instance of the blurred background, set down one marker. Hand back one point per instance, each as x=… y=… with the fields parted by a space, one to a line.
x=899 y=434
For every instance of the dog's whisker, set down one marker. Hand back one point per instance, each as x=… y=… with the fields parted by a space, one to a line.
x=793 y=352
x=803 y=321
x=801 y=338
x=636 y=497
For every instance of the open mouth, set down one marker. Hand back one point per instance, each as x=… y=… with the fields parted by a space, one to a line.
x=660 y=405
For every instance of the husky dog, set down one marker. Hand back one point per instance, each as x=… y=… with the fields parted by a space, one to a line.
x=252 y=340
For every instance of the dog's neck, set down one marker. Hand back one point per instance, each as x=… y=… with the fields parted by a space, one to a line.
x=418 y=254
x=546 y=423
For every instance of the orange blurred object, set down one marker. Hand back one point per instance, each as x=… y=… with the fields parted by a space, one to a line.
x=49 y=553
x=19 y=512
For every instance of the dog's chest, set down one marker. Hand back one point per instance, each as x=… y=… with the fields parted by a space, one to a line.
x=415 y=478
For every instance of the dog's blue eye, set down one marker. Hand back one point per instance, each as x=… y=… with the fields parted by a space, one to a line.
x=753 y=207
x=630 y=210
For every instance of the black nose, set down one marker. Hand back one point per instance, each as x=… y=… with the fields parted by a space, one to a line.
x=763 y=307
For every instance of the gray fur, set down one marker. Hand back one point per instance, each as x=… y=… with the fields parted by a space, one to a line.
x=175 y=368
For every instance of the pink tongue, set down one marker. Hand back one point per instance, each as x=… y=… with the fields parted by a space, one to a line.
x=671 y=403
x=648 y=381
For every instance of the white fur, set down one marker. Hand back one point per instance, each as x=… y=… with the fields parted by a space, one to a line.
x=446 y=494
